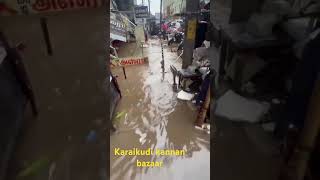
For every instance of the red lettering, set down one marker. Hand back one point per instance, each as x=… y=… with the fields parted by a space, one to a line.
x=41 y=5
x=54 y=5
x=62 y=4
x=92 y=3
x=80 y=2
x=46 y=5
x=131 y=61
x=71 y=3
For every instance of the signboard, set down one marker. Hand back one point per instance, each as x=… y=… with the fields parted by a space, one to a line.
x=129 y=61
x=192 y=28
x=133 y=61
x=18 y=7
x=118 y=30
x=141 y=11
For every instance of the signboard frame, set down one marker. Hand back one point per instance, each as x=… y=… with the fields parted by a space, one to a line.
x=118 y=29
x=141 y=11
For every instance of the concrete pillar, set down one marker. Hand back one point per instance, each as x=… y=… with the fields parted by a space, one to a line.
x=192 y=6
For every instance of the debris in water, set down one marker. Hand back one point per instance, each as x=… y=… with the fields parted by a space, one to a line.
x=185 y=96
x=127 y=92
x=34 y=168
x=120 y=114
x=205 y=127
x=237 y=108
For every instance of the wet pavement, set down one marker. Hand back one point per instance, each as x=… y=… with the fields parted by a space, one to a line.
x=153 y=117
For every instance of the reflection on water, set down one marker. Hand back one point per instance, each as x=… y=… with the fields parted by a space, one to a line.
x=156 y=119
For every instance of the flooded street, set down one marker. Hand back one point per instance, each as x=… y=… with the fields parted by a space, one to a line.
x=153 y=117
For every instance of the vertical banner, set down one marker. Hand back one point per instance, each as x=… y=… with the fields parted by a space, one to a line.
x=139 y=33
x=192 y=28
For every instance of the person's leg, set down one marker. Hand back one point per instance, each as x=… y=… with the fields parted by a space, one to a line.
x=203 y=90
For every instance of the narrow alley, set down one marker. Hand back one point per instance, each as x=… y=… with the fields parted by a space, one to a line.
x=152 y=116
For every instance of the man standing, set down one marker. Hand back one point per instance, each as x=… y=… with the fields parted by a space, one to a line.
x=164 y=29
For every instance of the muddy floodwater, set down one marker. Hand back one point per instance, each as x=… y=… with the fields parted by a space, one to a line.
x=151 y=116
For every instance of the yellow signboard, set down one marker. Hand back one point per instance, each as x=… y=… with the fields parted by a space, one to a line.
x=192 y=27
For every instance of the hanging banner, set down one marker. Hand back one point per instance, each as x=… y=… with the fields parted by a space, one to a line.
x=139 y=33
x=25 y=7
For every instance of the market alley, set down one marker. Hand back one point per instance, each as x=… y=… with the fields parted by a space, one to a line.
x=149 y=115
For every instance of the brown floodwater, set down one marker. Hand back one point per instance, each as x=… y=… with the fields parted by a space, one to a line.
x=153 y=117
x=73 y=146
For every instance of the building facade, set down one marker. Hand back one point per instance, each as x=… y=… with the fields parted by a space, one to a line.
x=173 y=7
x=126 y=6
